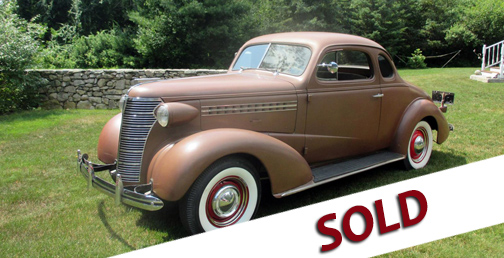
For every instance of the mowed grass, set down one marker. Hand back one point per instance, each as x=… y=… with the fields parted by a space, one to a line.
x=45 y=209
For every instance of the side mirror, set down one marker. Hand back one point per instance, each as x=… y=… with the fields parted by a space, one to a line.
x=332 y=67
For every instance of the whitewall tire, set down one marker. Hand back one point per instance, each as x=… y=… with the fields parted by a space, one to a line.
x=419 y=146
x=226 y=193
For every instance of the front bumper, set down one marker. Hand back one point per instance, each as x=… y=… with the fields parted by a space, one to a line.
x=139 y=196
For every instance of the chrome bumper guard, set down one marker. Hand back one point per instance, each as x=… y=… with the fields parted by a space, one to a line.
x=139 y=196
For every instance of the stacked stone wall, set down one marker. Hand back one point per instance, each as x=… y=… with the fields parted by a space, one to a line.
x=99 y=89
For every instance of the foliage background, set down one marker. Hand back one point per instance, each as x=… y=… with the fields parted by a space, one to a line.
x=18 y=49
x=196 y=33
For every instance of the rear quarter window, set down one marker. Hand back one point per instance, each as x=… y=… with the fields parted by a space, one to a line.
x=386 y=69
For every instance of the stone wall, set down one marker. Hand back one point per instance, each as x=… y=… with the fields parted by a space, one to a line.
x=99 y=89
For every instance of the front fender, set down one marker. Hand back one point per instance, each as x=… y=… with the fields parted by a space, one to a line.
x=422 y=109
x=175 y=167
x=108 y=143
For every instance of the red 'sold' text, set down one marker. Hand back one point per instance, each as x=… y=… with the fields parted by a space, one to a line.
x=369 y=222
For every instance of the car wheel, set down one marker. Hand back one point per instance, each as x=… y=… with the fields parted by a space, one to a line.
x=419 y=146
x=226 y=193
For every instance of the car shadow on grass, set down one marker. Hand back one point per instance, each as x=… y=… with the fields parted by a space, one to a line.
x=388 y=174
x=167 y=219
x=112 y=232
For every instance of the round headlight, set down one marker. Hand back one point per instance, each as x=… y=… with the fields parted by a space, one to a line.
x=122 y=102
x=162 y=114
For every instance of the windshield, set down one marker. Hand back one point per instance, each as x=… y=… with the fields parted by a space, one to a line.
x=287 y=59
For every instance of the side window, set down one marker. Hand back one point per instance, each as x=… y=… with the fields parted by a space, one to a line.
x=386 y=69
x=352 y=65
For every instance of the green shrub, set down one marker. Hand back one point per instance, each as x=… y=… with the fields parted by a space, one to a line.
x=57 y=51
x=417 y=60
x=105 y=49
x=18 y=49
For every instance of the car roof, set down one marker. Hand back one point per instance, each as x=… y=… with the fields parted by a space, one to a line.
x=316 y=40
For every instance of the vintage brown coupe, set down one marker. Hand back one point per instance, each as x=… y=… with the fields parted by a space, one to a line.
x=298 y=109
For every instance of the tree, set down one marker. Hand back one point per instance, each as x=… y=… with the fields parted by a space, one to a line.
x=52 y=13
x=105 y=49
x=191 y=33
x=479 y=22
x=383 y=21
x=18 y=48
x=199 y=33
x=93 y=16
x=437 y=16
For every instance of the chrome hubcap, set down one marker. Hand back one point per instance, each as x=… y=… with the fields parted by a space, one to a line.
x=226 y=201
x=419 y=144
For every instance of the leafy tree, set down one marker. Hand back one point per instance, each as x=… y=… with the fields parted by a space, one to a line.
x=190 y=34
x=479 y=22
x=18 y=49
x=52 y=13
x=383 y=21
x=57 y=53
x=198 y=33
x=437 y=17
x=105 y=49
x=300 y=15
x=92 y=16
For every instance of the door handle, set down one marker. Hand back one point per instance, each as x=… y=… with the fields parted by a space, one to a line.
x=379 y=95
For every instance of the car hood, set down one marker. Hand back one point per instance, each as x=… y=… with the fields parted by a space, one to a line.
x=212 y=86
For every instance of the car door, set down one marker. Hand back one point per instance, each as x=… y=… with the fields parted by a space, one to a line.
x=343 y=113
x=397 y=96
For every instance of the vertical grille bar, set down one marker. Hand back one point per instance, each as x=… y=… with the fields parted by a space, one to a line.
x=137 y=120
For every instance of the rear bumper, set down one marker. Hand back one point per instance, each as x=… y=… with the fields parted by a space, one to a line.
x=139 y=196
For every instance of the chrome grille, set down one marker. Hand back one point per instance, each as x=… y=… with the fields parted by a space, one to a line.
x=137 y=120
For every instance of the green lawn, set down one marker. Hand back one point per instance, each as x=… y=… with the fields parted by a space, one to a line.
x=45 y=209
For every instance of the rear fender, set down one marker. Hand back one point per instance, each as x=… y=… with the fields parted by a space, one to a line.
x=174 y=168
x=422 y=109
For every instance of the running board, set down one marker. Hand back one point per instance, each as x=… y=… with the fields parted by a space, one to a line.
x=354 y=165
x=331 y=172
